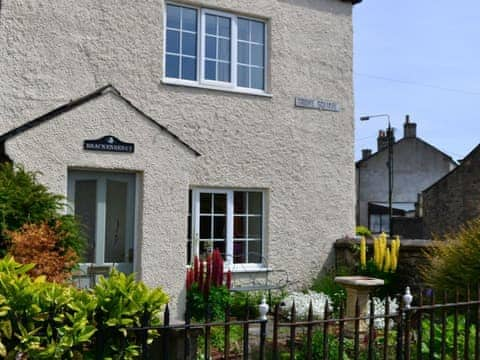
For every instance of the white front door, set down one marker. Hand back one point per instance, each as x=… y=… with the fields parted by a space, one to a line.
x=104 y=203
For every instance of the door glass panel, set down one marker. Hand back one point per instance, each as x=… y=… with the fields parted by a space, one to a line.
x=116 y=222
x=86 y=211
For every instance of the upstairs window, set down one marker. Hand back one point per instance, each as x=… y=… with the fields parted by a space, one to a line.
x=209 y=48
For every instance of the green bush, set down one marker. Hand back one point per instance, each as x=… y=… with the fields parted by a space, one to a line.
x=363 y=231
x=218 y=299
x=45 y=320
x=453 y=259
x=326 y=284
x=25 y=201
x=40 y=319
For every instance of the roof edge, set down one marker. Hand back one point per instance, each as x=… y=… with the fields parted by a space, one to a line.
x=470 y=154
x=109 y=88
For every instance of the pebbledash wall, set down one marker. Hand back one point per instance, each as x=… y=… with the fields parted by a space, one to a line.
x=302 y=159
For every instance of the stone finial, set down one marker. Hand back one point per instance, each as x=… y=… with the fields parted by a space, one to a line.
x=407 y=298
x=263 y=309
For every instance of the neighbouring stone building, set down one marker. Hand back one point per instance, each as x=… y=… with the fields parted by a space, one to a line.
x=454 y=199
x=229 y=124
x=416 y=165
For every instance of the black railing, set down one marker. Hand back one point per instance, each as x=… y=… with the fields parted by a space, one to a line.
x=428 y=330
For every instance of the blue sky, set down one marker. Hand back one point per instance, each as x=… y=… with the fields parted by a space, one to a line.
x=418 y=57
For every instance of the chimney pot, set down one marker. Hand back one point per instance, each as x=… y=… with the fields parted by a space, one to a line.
x=366 y=153
x=382 y=140
x=409 y=128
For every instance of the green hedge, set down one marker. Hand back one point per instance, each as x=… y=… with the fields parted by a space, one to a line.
x=45 y=320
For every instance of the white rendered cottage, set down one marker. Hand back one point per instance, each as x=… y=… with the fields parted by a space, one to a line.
x=230 y=122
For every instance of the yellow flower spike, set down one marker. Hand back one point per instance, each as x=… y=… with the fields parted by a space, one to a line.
x=388 y=264
x=394 y=262
x=363 y=252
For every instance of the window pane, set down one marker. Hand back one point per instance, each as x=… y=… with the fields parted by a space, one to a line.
x=189 y=44
x=86 y=212
x=116 y=222
x=189 y=20
x=173 y=16
x=243 y=53
x=255 y=203
x=224 y=26
x=239 y=227
x=205 y=227
x=211 y=24
x=242 y=76
x=189 y=68
x=257 y=31
x=172 y=66
x=205 y=203
x=220 y=203
x=257 y=55
x=219 y=224
x=211 y=47
x=239 y=252
x=220 y=245
x=210 y=70
x=173 y=41
x=255 y=252
x=257 y=78
x=224 y=72
x=240 y=202
x=254 y=227
x=224 y=49
x=243 y=31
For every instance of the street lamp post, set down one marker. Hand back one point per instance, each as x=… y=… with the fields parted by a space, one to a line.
x=389 y=165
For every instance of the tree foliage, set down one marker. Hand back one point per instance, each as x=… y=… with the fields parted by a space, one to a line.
x=23 y=200
x=40 y=244
x=453 y=259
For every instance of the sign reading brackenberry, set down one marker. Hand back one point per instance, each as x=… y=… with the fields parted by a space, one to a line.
x=108 y=143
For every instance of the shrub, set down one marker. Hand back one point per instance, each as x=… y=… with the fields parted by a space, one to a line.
x=42 y=320
x=453 y=259
x=206 y=292
x=25 y=201
x=40 y=244
x=326 y=284
x=123 y=302
x=363 y=231
x=46 y=320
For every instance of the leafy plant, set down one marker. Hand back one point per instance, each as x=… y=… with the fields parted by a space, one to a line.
x=449 y=338
x=207 y=296
x=363 y=231
x=453 y=259
x=23 y=200
x=40 y=319
x=123 y=302
x=40 y=244
x=326 y=284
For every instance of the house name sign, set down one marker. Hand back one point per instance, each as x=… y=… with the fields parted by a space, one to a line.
x=317 y=104
x=108 y=143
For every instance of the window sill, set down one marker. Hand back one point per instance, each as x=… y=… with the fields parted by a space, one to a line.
x=194 y=84
x=238 y=269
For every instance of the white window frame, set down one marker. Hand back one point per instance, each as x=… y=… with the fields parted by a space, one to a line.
x=201 y=82
x=229 y=264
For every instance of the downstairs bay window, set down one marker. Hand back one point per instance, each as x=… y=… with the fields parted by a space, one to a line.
x=214 y=49
x=231 y=221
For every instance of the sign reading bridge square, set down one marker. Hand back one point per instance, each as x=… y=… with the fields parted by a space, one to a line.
x=110 y=144
x=317 y=104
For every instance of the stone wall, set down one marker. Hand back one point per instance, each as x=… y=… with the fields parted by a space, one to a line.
x=455 y=199
x=411 y=258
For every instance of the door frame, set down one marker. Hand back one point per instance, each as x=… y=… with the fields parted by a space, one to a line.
x=131 y=177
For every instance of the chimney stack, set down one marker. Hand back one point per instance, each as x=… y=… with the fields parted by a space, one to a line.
x=382 y=140
x=366 y=153
x=409 y=129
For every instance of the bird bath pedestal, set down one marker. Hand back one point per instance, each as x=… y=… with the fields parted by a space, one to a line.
x=358 y=287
